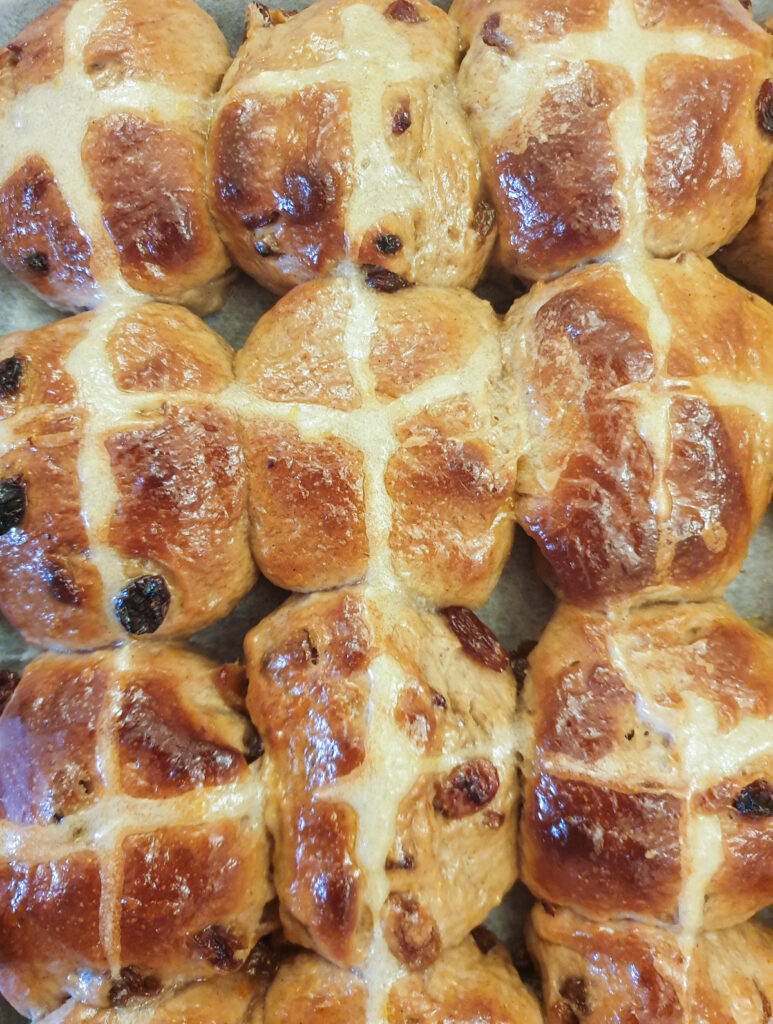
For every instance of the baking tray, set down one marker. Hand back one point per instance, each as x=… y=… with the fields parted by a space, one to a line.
x=520 y=606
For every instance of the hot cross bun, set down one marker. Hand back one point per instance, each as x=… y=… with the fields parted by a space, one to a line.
x=604 y=974
x=614 y=125
x=646 y=390
x=376 y=440
x=648 y=765
x=390 y=743
x=133 y=851
x=338 y=135
x=104 y=112
x=123 y=498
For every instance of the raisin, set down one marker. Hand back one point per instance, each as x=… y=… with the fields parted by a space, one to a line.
x=466 y=788
x=491 y=35
x=519 y=661
x=62 y=585
x=253 y=744
x=262 y=12
x=11 y=370
x=306 y=195
x=401 y=121
x=132 y=983
x=216 y=946
x=403 y=10
x=388 y=245
x=384 y=280
x=8 y=683
x=756 y=800
x=15 y=50
x=484 y=939
x=260 y=220
x=746 y=3
x=404 y=862
x=13 y=503
x=265 y=959
x=438 y=700
x=37 y=261
x=142 y=606
x=476 y=639
x=765 y=106
x=410 y=931
x=575 y=992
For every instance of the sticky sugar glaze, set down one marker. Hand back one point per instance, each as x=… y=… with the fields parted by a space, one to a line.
x=104 y=111
x=132 y=839
x=125 y=470
x=567 y=99
x=612 y=972
x=338 y=135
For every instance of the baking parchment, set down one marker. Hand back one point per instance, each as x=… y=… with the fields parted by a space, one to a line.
x=520 y=606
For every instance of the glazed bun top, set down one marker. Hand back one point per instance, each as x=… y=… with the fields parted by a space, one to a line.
x=104 y=111
x=611 y=126
x=339 y=136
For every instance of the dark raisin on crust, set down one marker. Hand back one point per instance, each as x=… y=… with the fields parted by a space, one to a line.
x=575 y=992
x=403 y=10
x=476 y=639
x=37 y=262
x=142 y=606
x=755 y=800
x=132 y=983
x=765 y=106
x=61 y=584
x=467 y=788
x=8 y=683
x=519 y=661
x=253 y=744
x=491 y=35
x=11 y=370
x=13 y=503
x=401 y=121
x=388 y=245
x=384 y=280
x=217 y=945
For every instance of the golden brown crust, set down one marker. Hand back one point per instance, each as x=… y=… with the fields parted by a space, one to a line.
x=147 y=467
x=648 y=765
x=374 y=440
x=377 y=166
x=607 y=973
x=122 y=197
x=607 y=127
x=135 y=839
x=413 y=799
x=648 y=481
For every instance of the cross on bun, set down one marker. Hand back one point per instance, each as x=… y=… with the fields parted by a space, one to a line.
x=375 y=440
x=133 y=851
x=338 y=135
x=123 y=498
x=646 y=393
x=104 y=112
x=604 y=974
x=648 y=765
x=614 y=125
x=390 y=745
